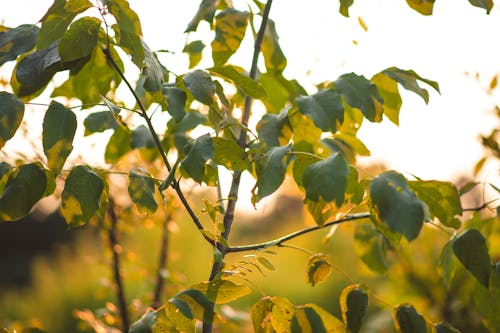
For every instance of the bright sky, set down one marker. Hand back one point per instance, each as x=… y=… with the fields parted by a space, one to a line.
x=437 y=141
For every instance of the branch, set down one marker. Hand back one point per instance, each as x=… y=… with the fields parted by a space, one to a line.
x=162 y=264
x=281 y=240
x=479 y=208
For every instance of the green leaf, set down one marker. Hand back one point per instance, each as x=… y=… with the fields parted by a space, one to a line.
x=344 y=7
x=266 y=263
x=99 y=122
x=54 y=24
x=302 y=161
x=362 y=94
x=176 y=100
x=447 y=264
x=485 y=4
x=408 y=320
x=395 y=204
x=59 y=127
x=145 y=324
x=24 y=188
x=444 y=327
x=5 y=171
x=327 y=179
x=80 y=39
x=389 y=91
x=424 y=7
x=408 y=79
x=200 y=84
x=199 y=304
x=270 y=128
x=118 y=145
x=129 y=30
x=16 y=41
x=442 y=198
x=277 y=94
x=194 y=50
x=142 y=138
x=306 y=319
x=354 y=305
x=324 y=108
x=470 y=248
x=274 y=58
x=141 y=189
x=81 y=196
x=230 y=28
x=11 y=116
x=198 y=153
x=242 y=81
x=153 y=71
x=369 y=245
x=271 y=174
x=222 y=291
x=206 y=12
x=230 y=154
x=318 y=269
x=171 y=319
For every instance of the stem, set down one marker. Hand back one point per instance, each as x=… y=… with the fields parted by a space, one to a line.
x=116 y=265
x=162 y=265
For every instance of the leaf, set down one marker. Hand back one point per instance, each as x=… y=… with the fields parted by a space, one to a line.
x=129 y=30
x=389 y=91
x=424 y=7
x=206 y=12
x=306 y=319
x=80 y=39
x=24 y=188
x=408 y=320
x=369 y=245
x=447 y=264
x=59 y=127
x=360 y=93
x=99 y=122
x=318 y=269
x=5 y=170
x=344 y=7
x=274 y=58
x=200 y=84
x=118 y=145
x=230 y=28
x=176 y=100
x=259 y=314
x=194 y=50
x=172 y=320
x=242 y=81
x=272 y=173
x=198 y=303
x=81 y=196
x=281 y=314
x=230 y=154
x=395 y=204
x=142 y=138
x=266 y=263
x=485 y=4
x=327 y=179
x=145 y=324
x=141 y=189
x=57 y=20
x=408 y=79
x=198 y=153
x=470 y=248
x=16 y=41
x=302 y=161
x=270 y=127
x=153 y=71
x=324 y=108
x=354 y=305
x=222 y=291
x=11 y=116
x=444 y=327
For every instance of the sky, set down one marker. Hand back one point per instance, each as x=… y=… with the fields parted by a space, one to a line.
x=434 y=141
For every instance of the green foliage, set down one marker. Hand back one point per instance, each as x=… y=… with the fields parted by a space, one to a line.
x=80 y=39
x=141 y=189
x=408 y=320
x=354 y=305
x=16 y=41
x=230 y=28
x=324 y=108
x=271 y=170
x=318 y=269
x=11 y=115
x=470 y=248
x=201 y=86
x=198 y=152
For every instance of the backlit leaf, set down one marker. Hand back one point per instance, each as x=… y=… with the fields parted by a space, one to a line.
x=274 y=58
x=408 y=80
x=153 y=70
x=142 y=138
x=230 y=154
x=281 y=314
x=271 y=173
x=24 y=187
x=395 y=204
x=222 y=291
x=266 y=263
x=16 y=41
x=424 y=7
x=324 y=108
x=369 y=245
x=276 y=93
x=172 y=320
x=206 y=12
x=470 y=248
x=302 y=161
x=176 y=100
x=145 y=324
x=118 y=145
x=486 y=4
x=447 y=263
x=241 y=80
x=354 y=305
x=408 y=320
x=318 y=269
x=59 y=127
x=80 y=39
x=344 y=7
x=81 y=196
x=194 y=50
x=389 y=91
x=444 y=327
x=141 y=189
x=200 y=84
x=5 y=170
x=306 y=319
x=198 y=303
x=230 y=28
x=270 y=127
x=99 y=122
x=259 y=314
x=11 y=116
x=199 y=152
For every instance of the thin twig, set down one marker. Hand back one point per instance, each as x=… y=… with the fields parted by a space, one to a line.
x=162 y=264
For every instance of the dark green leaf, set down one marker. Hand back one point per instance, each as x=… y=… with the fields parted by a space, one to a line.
x=198 y=303
x=206 y=12
x=182 y=306
x=11 y=116
x=230 y=154
x=194 y=49
x=369 y=245
x=118 y=145
x=16 y=41
x=274 y=57
x=57 y=20
x=360 y=93
x=141 y=190
x=241 y=80
x=171 y=319
x=272 y=173
x=318 y=269
x=470 y=248
x=324 y=108
x=408 y=320
x=200 y=151
x=389 y=91
x=327 y=179
x=270 y=127
x=486 y=4
x=129 y=30
x=222 y=291
x=395 y=204
x=344 y=7
x=99 y=122
x=145 y=324
x=142 y=138
x=354 y=305
x=153 y=71
x=5 y=170
x=444 y=327
x=25 y=186
x=176 y=99
x=408 y=79
x=200 y=84
x=306 y=319
x=424 y=7
x=80 y=39
x=230 y=28
x=447 y=264
x=59 y=127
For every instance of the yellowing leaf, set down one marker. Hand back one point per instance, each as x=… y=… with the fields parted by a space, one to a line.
x=230 y=28
x=424 y=7
x=222 y=291
x=354 y=305
x=11 y=115
x=141 y=190
x=318 y=269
